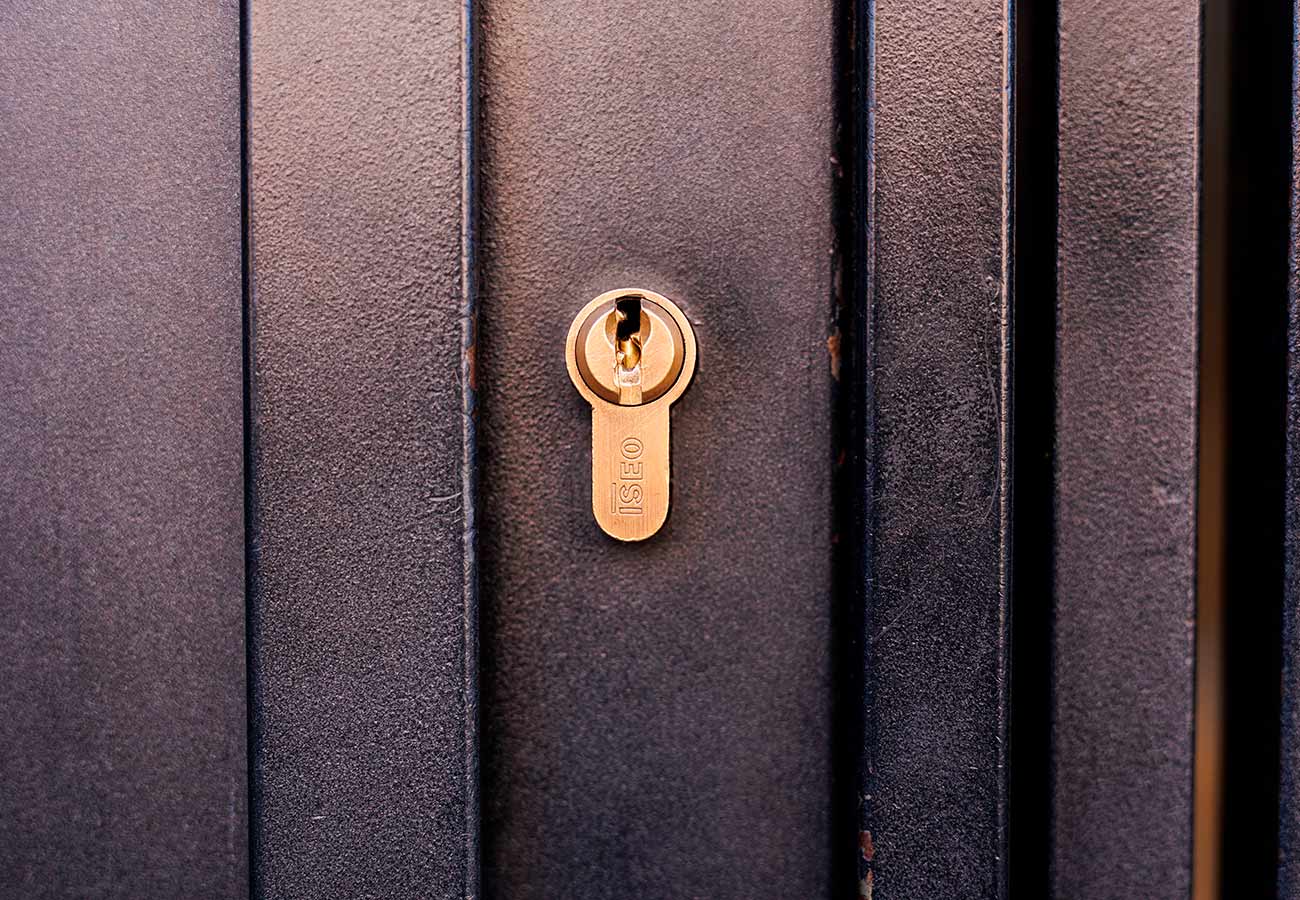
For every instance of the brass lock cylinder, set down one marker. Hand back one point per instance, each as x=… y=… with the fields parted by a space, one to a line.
x=631 y=354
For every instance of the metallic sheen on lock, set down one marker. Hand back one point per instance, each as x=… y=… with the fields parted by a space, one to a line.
x=630 y=385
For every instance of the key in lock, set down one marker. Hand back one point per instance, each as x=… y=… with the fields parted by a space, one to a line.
x=631 y=354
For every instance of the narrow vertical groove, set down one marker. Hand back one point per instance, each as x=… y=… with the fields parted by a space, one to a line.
x=1207 y=831
x=1255 y=327
x=1006 y=450
x=1033 y=433
x=246 y=310
x=866 y=539
x=846 y=434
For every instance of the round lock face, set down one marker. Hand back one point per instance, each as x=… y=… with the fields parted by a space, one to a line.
x=663 y=350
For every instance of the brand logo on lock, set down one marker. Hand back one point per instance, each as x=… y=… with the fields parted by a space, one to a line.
x=627 y=494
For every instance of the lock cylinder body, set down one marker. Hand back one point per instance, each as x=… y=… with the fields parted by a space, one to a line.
x=631 y=353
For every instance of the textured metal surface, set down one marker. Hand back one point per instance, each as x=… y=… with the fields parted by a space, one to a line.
x=1289 y=833
x=122 y=763
x=657 y=716
x=1288 y=882
x=1126 y=449
x=362 y=620
x=937 y=366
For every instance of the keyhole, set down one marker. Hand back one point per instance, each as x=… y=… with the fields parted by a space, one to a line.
x=627 y=332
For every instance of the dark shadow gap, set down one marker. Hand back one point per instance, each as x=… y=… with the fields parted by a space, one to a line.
x=1254 y=337
x=1034 y=309
x=246 y=312
x=848 y=467
x=1212 y=398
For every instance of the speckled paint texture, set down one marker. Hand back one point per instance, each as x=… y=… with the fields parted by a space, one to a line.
x=933 y=814
x=1126 y=449
x=122 y=739
x=1288 y=882
x=657 y=715
x=361 y=580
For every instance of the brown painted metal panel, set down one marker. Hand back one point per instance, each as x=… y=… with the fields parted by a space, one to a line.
x=361 y=591
x=937 y=289
x=1126 y=449
x=657 y=715
x=122 y=739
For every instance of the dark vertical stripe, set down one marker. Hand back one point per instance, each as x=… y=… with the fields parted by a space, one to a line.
x=122 y=739
x=658 y=714
x=246 y=272
x=1212 y=413
x=362 y=489
x=937 y=368
x=1258 y=255
x=848 y=423
x=1288 y=885
x=1126 y=449
x=1034 y=445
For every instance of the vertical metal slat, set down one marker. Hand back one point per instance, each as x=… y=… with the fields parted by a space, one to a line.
x=937 y=362
x=361 y=589
x=122 y=739
x=658 y=715
x=1126 y=449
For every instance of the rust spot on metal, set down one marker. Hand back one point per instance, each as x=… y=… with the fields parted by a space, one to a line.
x=868 y=849
x=833 y=346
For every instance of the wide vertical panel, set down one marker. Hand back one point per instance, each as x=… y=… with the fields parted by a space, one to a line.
x=122 y=739
x=658 y=714
x=361 y=588
x=937 y=282
x=1126 y=449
